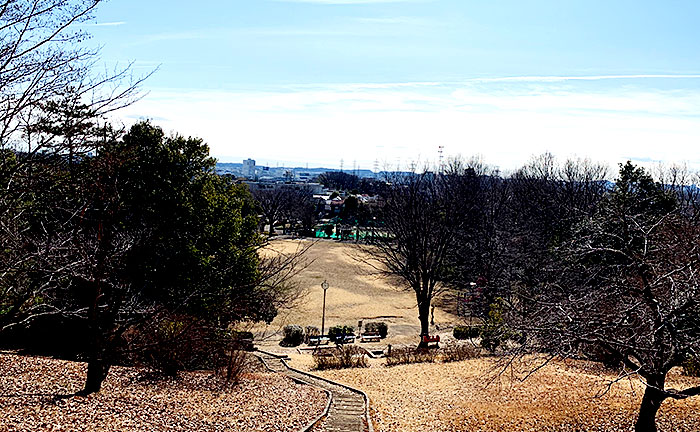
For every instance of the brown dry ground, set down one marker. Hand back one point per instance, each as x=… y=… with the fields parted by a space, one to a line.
x=355 y=293
x=29 y=387
x=460 y=397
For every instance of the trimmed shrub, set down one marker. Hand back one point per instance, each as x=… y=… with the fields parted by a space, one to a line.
x=310 y=331
x=691 y=366
x=379 y=327
x=494 y=331
x=466 y=332
x=341 y=357
x=336 y=332
x=293 y=335
x=601 y=355
x=178 y=343
x=408 y=355
x=458 y=352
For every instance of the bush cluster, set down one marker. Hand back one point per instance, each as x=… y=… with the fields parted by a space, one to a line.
x=494 y=332
x=310 y=331
x=601 y=355
x=458 y=352
x=466 y=332
x=293 y=335
x=691 y=366
x=379 y=327
x=336 y=332
x=182 y=343
x=348 y=356
x=408 y=355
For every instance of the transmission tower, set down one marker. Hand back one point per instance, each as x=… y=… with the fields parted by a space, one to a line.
x=441 y=166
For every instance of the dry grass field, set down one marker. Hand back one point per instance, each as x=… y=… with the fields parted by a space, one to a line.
x=462 y=396
x=355 y=292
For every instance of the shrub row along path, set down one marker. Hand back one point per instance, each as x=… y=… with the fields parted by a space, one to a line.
x=348 y=411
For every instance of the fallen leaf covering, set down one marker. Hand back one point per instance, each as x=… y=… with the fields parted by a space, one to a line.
x=32 y=390
x=560 y=397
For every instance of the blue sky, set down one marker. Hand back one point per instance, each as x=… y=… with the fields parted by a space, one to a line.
x=317 y=81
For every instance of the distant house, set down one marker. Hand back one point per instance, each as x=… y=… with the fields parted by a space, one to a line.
x=312 y=188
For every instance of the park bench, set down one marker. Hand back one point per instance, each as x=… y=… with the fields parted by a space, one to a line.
x=346 y=338
x=370 y=337
x=318 y=340
x=430 y=339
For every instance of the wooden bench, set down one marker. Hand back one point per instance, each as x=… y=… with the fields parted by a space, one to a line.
x=370 y=337
x=345 y=338
x=318 y=340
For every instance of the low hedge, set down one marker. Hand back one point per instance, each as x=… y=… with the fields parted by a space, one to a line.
x=466 y=332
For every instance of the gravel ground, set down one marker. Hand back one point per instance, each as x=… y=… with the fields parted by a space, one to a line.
x=196 y=402
x=560 y=397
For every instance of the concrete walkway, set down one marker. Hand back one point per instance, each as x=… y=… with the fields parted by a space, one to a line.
x=349 y=408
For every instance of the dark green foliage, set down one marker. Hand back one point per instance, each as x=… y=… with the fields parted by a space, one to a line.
x=293 y=335
x=340 y=357
x=118 y=240
x=335 y=333
x=328 y=229
x=466 y=332
x=494 y=331
x=339 y=180
x=379 y=327
x=202 y=227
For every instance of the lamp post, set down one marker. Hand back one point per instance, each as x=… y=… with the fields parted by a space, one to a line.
x=324 y=285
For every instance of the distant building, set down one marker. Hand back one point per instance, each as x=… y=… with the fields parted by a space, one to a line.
x=305 y=176
x=312 y=188
x=249 y=168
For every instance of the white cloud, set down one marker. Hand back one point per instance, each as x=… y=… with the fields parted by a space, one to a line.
x=506 y=124
x=582 y=78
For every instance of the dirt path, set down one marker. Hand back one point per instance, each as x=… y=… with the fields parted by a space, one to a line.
x=348 y=411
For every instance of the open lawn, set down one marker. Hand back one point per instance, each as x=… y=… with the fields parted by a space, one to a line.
x=355 y=292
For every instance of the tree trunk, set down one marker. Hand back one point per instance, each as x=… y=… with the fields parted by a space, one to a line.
x=424 y=317
x=653 y=397
x=96 y=374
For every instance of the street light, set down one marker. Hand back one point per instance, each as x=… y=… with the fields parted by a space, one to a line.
x=324 y=285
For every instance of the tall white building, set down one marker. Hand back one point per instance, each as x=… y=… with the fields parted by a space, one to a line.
x=249 y=168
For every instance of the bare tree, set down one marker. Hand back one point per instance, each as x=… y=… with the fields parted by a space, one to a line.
x=423 y=217
x=273 y=203
x=51 y=103
x=626 y=283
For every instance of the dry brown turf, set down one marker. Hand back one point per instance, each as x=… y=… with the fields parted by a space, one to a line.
x=197 y=402
x=455 y=397
x=560 y=397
